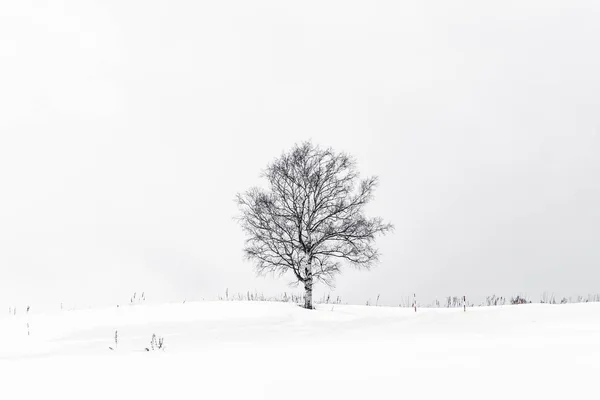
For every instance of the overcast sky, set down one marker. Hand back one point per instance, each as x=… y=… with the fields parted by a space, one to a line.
x=127 y=127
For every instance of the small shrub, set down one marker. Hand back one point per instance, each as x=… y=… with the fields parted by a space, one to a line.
x=116 y=340
x=156 y=343
x=518 y=300
x=494 y=300
x=137 y=299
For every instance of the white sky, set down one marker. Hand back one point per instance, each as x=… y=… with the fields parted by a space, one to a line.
x=127 y=127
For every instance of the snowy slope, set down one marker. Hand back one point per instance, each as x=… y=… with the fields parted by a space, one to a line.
x=247 y=350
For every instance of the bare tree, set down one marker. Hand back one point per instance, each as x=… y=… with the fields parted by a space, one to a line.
x=311 y=220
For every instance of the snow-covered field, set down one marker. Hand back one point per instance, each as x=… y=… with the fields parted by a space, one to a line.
x=243 y=350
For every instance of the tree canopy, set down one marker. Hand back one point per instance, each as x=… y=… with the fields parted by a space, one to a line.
x=310 y=221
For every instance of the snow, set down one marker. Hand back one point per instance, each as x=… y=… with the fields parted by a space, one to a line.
x=268 y=350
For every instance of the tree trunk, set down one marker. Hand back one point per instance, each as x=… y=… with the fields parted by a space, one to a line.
x=308 y=287
x=308 y=296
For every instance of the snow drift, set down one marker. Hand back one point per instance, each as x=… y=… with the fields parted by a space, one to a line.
x=245 y=350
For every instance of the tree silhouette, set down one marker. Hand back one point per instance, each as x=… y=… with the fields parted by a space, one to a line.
x=311 y=219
